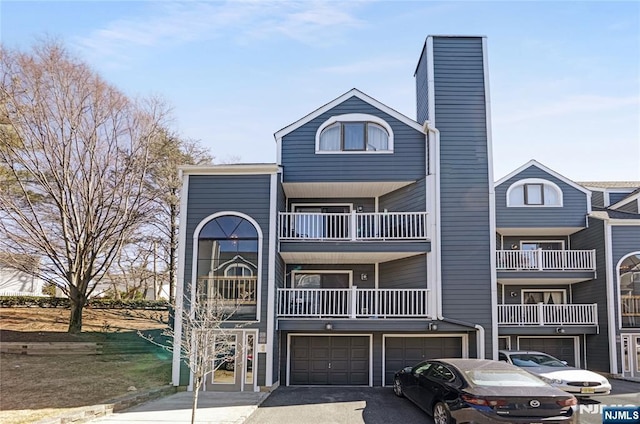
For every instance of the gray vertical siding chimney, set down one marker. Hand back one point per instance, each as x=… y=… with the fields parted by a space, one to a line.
x=452 y=94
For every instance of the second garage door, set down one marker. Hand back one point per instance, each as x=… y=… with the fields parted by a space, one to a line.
x=329 y=360
x=400 y=352
x=562 y=348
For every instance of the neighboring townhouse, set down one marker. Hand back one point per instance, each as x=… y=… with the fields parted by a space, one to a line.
x=567 y=268
x=369 y=243
x=615 y=233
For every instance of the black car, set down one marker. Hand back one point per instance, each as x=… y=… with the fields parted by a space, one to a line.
x=482 y=391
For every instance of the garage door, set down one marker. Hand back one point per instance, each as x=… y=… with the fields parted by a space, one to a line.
x=400 y=352
x=562 y=348
x=330 y=360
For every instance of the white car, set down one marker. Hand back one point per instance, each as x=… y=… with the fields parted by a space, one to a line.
x=573 y=380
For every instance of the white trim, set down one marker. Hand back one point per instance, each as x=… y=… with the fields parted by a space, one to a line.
x=320 y=205
x=179 y=294
x=431 y=86
x=321 y=271
x=576 y=344
x=492 y=204
x=271 y=280
x=194 y=259
x=355 y=117
x=541 y=181
x=540 y=166
x=234 y=169
x=464 y=346
x=627 y=200
x=541 y=241
x=291 y=335
x=618 y=299
x=434 y=268
x=523 y=291
x=609 y=279
x=351 y=93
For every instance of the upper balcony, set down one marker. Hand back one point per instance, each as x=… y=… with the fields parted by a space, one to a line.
x=554 y=266
x=356 y=237
x=353 y=303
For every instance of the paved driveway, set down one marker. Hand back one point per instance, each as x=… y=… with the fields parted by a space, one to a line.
x=337 y=405
x=378 y=405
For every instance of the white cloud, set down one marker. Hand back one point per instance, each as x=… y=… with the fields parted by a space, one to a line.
x=175 y=23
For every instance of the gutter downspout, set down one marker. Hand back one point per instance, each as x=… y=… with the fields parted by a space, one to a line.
x=434 y=167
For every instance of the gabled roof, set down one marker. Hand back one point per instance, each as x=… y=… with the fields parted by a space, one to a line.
x=635 y=195
x=351 y=93
x=540 y=166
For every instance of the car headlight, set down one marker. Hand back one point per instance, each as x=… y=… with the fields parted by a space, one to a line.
x=551 y=380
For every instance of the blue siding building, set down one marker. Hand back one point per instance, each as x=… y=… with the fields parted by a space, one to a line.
x=375 y=241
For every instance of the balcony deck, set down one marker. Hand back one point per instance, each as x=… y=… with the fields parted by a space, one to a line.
x=542 y=314
x=296 y=226
x=353 y=303
x=546 y=260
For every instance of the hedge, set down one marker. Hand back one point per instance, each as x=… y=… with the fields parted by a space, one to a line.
x=97 y=303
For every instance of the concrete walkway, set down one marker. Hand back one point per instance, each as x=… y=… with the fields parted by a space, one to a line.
x=213 y=408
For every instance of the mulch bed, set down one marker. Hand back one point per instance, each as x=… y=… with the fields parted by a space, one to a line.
x=43 y=336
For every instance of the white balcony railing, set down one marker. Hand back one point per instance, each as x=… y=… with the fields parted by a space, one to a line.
x=546 y=260
x=238 y=290
x=353 y=226
x=543 y=314
x=630 y=305
x=353 y=303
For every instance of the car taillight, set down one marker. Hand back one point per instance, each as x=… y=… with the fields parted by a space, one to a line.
x=572 y=401
x=476 y=400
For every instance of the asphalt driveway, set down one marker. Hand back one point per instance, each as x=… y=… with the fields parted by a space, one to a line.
x=337 y=405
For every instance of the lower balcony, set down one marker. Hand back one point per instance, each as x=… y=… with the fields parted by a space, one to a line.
x=542 y=314
x=353 y=303
x=630 y=310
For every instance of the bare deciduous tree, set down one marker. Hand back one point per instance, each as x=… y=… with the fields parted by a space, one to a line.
x=75 y=152
x=163 y=188
x=205 y=339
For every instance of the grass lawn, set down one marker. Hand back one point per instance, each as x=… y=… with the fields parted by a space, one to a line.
x=34 y=387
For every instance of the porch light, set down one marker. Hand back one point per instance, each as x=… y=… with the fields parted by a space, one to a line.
x=432 y=326
x=328 y=326
x=560 y=330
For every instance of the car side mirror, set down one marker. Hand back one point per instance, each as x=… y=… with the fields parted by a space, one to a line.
x=407 y=370
x=565 y=362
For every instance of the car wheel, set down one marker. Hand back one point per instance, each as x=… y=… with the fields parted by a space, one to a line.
x=397 y=387
x=441 y=414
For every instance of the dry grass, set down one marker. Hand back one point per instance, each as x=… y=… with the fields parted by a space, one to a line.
x=33 y=387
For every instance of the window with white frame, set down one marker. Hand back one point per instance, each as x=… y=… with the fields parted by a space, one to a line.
x=534 y=192
x=354 y=133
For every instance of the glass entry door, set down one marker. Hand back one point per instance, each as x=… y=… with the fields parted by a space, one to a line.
x=233 y=360
x=630 y=344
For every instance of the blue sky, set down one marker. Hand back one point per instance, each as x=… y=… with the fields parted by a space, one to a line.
x=564 y=76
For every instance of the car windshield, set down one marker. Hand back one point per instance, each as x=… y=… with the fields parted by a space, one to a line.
x=535 y=360
x=495 y=378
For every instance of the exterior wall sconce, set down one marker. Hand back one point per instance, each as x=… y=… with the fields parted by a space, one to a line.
x=364 y=277
x=560 y=330
x=513 y=294
x=328 y=326
x=432 y=326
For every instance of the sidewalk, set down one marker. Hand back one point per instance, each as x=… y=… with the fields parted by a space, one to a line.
x=213 y=408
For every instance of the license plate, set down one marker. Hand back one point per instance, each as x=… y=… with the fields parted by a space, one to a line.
x=587 y=390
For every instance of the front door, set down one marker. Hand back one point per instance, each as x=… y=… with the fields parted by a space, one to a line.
x=631 y=355
x=233 y=359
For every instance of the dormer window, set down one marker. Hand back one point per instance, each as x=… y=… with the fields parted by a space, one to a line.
x=534 y=192
x=354 y=133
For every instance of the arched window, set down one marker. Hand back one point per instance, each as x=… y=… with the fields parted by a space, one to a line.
x=629 y=278
x=354 y=133
x=228 y=250
x=534 y=192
